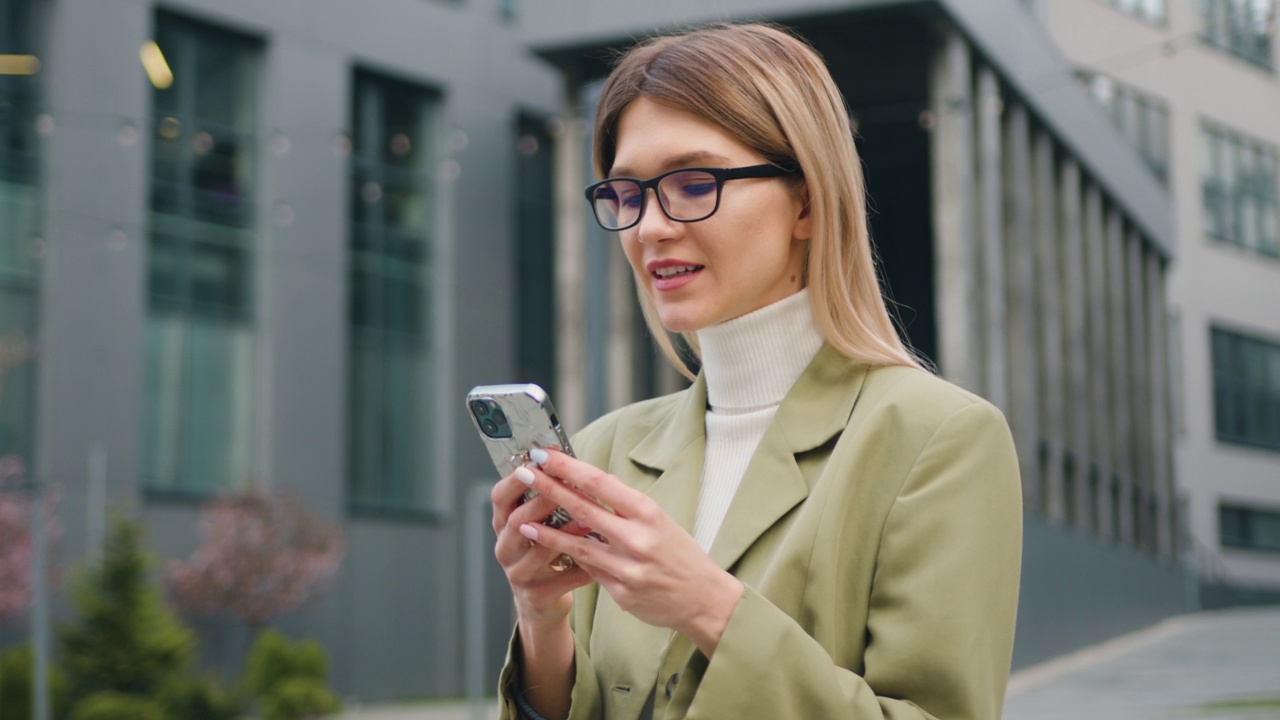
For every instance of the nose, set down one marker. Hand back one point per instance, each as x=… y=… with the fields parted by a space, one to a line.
x=654 y=225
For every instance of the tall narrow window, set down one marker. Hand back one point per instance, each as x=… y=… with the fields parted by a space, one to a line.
x=1246 y=389
x=1240 y=191
x=392 y=356
x=1245 y=28
x=200 y=350
x=20 y=245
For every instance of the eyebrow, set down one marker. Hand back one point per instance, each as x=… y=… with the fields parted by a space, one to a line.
x=677 y=161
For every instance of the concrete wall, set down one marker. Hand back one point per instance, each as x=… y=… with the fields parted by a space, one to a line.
x=1077 y=591
x=392 y=623
x=1210 y=282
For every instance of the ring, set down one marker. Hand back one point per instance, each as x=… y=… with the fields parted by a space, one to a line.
x=562 y=563
x=528 y=544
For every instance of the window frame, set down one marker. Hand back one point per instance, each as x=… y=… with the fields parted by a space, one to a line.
x=1246 y=411
x=1222 y=221
x=179 y=317
x=429 y=485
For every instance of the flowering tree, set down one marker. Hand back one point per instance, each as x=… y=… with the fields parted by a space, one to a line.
x=261 y=556
x=15 y=542
x=15 y=539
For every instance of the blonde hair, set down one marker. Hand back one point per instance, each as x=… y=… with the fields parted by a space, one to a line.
x=772 y=92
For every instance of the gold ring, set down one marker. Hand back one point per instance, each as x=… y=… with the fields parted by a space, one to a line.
x=562 y=563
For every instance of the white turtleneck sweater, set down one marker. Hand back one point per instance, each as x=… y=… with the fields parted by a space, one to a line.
x=750 y=364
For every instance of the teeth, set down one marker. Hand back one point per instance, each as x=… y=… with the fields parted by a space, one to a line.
x=674 y=270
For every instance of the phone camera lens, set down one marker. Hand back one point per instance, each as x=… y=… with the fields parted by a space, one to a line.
x=479 y=408
x=489 y=427
x=499 y=417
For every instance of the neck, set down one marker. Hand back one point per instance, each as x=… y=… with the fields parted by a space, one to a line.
x=752 y=361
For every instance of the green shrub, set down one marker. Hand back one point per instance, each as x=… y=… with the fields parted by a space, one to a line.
x=273 y=659
x=16 y=670
x=299 y=698
x=124 y=638
x=191 y=697
x=111 y=705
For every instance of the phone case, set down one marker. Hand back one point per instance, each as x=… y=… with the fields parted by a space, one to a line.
x=532 y=420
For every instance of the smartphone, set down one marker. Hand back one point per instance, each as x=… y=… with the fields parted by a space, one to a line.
x=512 y=420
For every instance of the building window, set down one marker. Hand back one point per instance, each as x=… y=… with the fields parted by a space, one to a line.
x=392 y=357
x=200 y=347
x=1245 y=28
x=20 y=243
x=1142 y=119
x=1249 y=528
x=1246 y=389
x=1241 y=195
x=1150 y=10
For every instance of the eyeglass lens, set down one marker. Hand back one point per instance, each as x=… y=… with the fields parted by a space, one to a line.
x=685 y=196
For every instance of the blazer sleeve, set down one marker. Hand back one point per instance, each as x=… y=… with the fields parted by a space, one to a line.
x=942 y=607
x=585 y=703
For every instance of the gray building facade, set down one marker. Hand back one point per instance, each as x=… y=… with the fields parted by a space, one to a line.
x=286 y=264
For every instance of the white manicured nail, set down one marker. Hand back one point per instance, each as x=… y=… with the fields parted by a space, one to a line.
x=524 y=475
x=539 y=456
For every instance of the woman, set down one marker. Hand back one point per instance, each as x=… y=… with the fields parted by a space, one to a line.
x=817 y=527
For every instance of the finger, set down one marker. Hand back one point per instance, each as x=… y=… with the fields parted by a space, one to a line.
x=581 y=508
x=585 y=551
x=592 y=482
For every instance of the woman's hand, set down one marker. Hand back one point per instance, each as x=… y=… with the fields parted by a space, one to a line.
x=542 y=593
x=650 y=565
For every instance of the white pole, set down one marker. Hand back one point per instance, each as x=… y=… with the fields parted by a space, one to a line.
x=96 y=503
x=479 y=543
x=40 y=605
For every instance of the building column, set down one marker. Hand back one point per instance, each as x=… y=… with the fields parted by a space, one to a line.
x=1019 y=281
x=953 y=222
x=991 y=278
x=1161 y=437
x=1076 y=341
x=570 y=268
x=1049 y=328
x=1140 y=412
x=1099 y=419
x=1118 y=484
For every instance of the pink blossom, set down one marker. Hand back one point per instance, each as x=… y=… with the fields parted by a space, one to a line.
x=261 y=556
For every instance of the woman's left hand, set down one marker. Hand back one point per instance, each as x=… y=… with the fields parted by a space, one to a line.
x=649 y=565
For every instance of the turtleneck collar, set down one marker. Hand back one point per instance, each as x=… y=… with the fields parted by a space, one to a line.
x=751 y=362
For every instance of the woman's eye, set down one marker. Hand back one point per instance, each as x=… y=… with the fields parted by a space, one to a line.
x=631 y=200
x=698 y=187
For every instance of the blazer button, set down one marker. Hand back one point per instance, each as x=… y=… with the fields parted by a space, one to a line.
x=671 y=684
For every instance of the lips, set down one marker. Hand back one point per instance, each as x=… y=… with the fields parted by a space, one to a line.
x=672 y=274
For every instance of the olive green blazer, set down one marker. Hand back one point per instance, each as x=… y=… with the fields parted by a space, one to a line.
x=878 y=531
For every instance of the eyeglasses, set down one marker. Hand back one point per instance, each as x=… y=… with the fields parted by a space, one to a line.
x=685 y=195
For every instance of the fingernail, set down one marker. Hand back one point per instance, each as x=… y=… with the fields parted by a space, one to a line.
x=529 y=531
x=539 y=456
x=524 y=475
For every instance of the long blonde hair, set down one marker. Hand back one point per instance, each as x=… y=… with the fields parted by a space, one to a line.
x=772 y=92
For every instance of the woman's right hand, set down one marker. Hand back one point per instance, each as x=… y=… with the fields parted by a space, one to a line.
x=542 y=593
x=543 y=596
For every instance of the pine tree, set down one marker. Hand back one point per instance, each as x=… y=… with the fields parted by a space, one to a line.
x=126 y=640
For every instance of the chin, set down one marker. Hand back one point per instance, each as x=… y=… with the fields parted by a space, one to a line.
x=680 y=320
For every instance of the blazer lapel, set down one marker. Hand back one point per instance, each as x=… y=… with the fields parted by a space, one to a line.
x=676 y=449
x=816 y=409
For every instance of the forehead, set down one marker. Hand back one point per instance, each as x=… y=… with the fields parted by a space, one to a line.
x=653 y=137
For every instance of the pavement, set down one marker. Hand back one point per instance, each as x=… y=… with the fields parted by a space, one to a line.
x=1221 y=665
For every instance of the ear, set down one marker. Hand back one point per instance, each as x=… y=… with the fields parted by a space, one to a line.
x=803 y=228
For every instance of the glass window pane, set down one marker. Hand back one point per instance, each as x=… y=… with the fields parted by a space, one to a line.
x=392 y=206
x=200 y=344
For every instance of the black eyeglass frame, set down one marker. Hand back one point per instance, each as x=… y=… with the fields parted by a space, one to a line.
x=721 y=175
